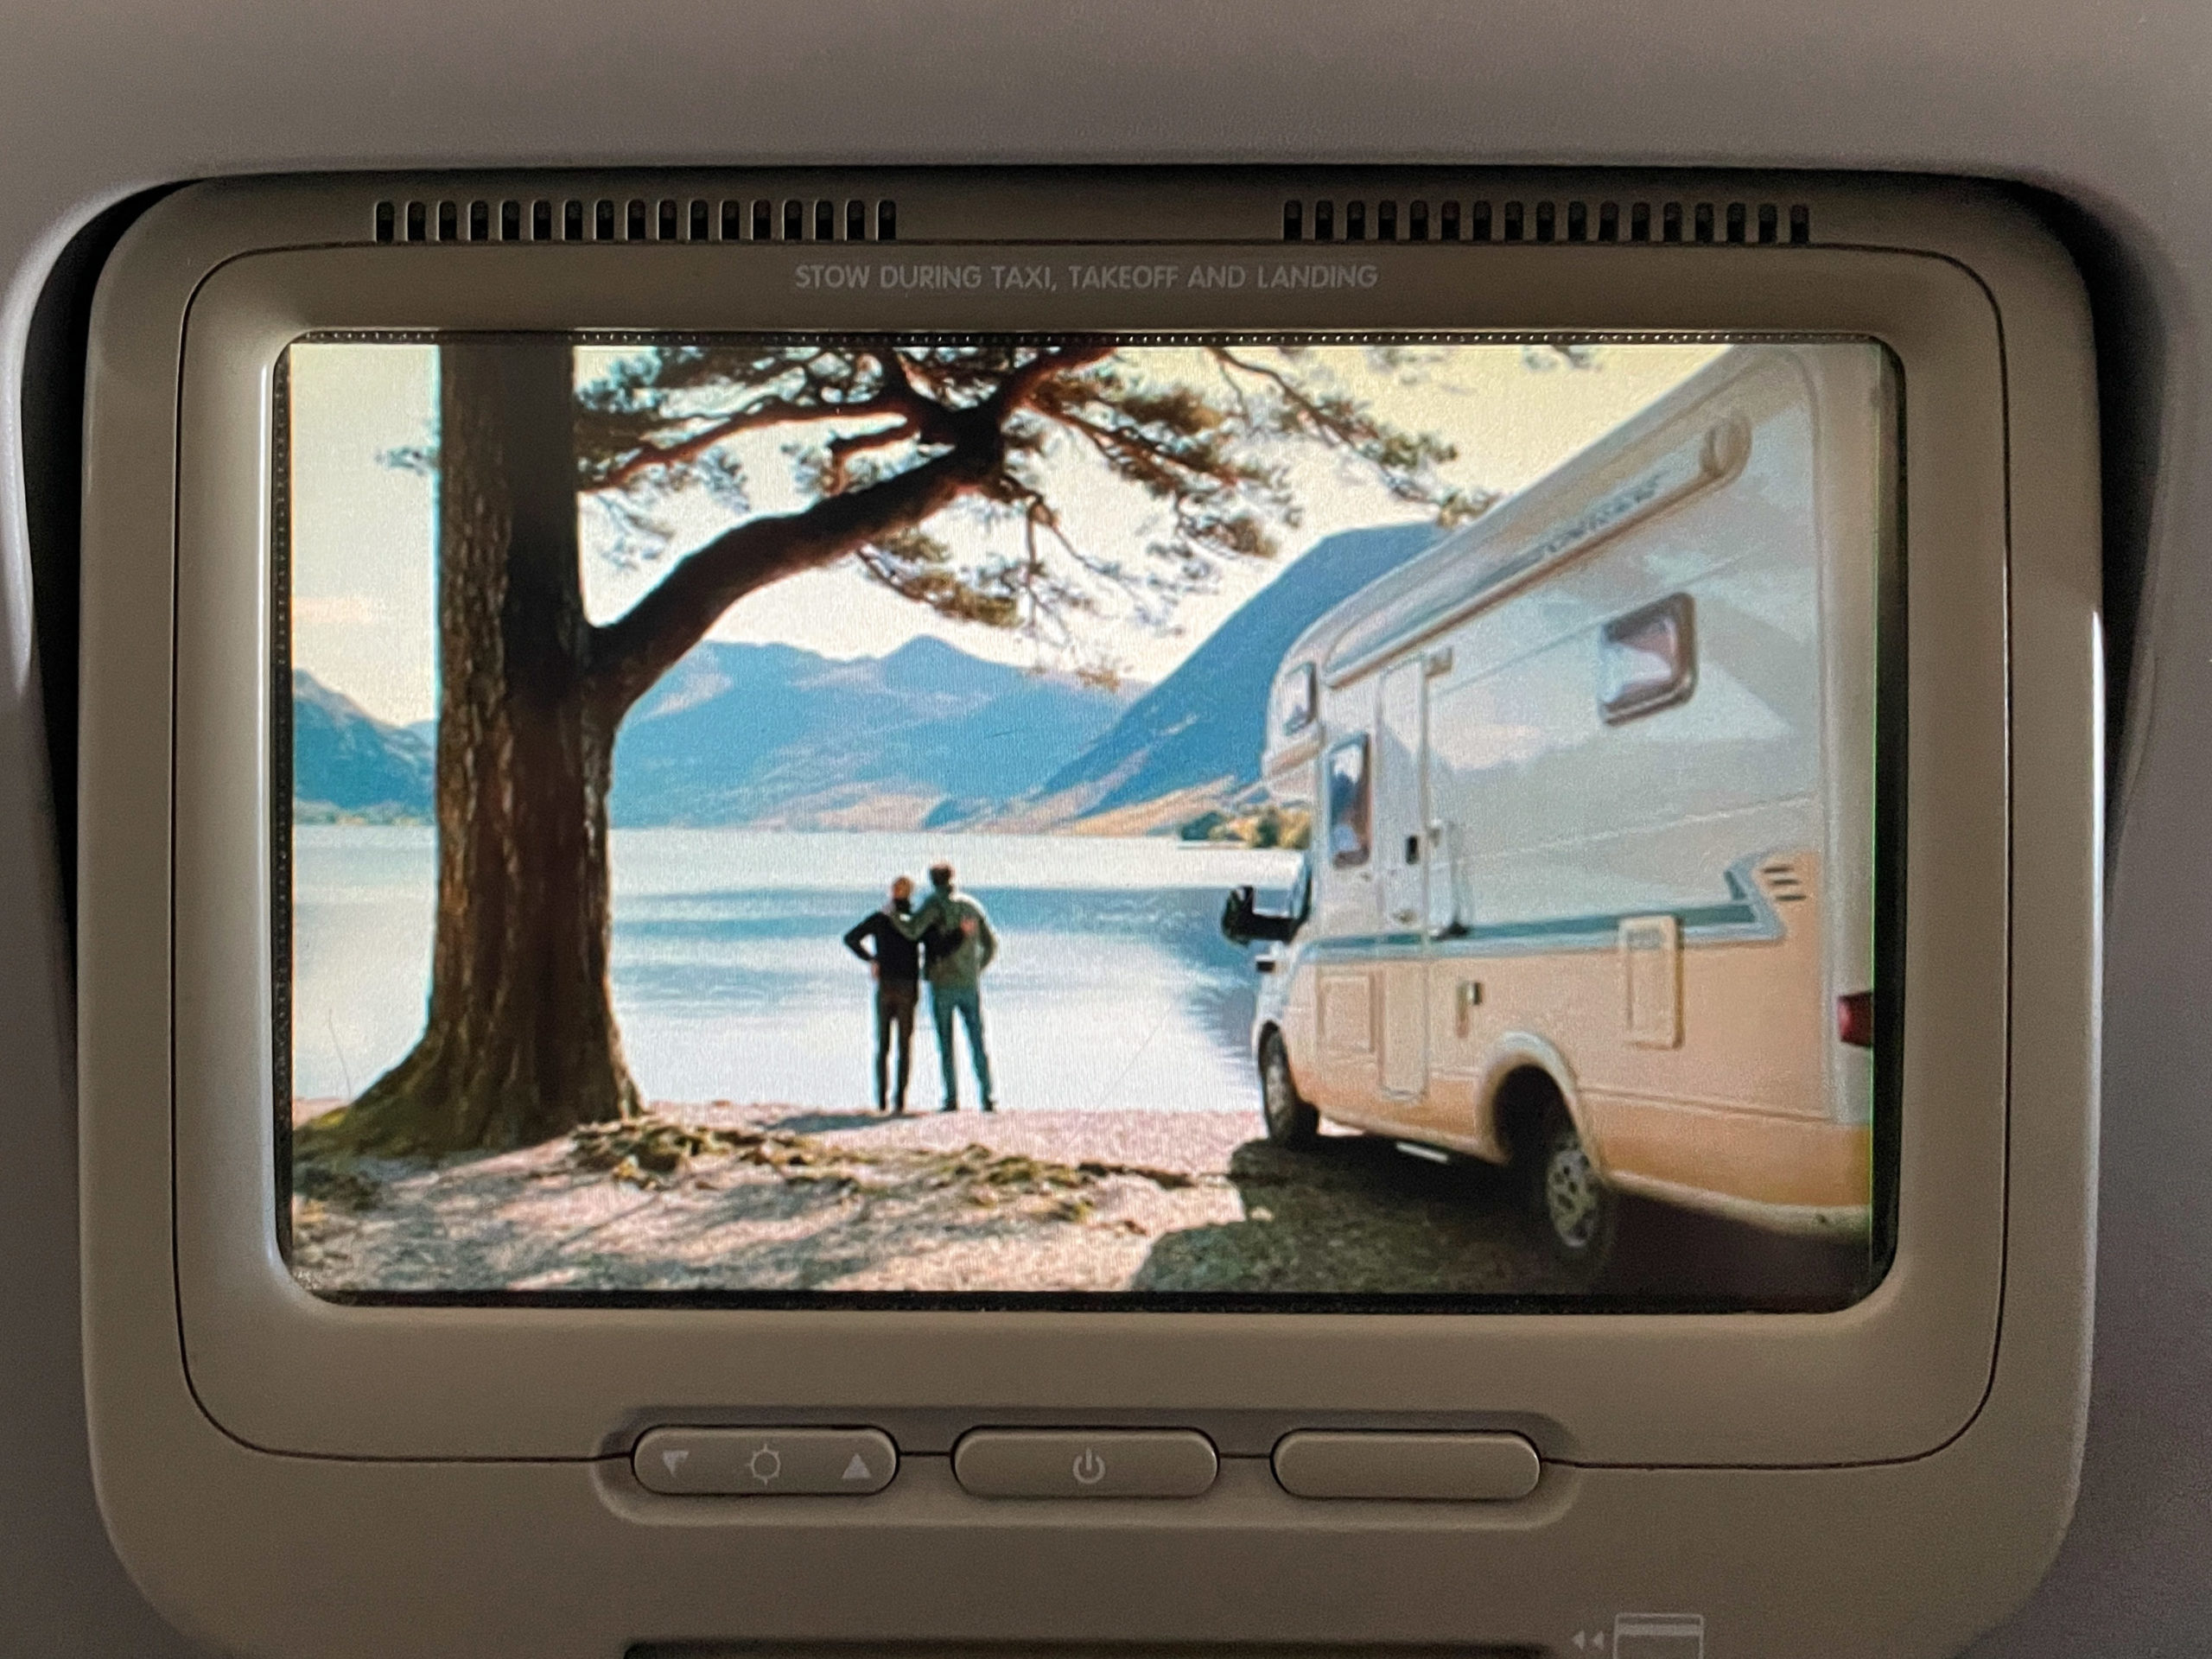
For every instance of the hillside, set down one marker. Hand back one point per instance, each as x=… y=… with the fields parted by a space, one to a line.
x=1194 y=739
x=347 y=764
x=773 y=736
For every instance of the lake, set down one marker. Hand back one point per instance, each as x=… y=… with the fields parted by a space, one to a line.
x=1113 y=987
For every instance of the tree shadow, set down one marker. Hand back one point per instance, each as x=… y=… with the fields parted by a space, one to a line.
x=918 y=1219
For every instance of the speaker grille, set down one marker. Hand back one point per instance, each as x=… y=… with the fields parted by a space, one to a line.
x=640 y=218
x=1452 y=220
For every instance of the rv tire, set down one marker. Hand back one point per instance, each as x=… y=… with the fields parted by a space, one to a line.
x=1291 y=1120
x=1580 y=1214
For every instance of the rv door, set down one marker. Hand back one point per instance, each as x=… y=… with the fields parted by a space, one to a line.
x=1401 y=841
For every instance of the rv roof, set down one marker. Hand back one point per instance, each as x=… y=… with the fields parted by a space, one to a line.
x=1534 y=529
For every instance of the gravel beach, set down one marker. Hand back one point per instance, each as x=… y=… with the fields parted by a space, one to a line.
x=754 y=1197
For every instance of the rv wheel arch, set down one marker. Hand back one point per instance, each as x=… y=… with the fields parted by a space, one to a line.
x=1525 y=1074
x=1521 y=1106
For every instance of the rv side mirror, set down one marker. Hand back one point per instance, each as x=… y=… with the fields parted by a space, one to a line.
x=1236 y=917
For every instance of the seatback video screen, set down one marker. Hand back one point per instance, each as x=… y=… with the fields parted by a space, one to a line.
x=1151 y=822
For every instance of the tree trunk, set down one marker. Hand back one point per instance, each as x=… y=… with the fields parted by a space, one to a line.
x=520 y=1044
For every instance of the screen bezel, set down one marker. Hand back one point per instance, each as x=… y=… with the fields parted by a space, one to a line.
x=1892 y=1375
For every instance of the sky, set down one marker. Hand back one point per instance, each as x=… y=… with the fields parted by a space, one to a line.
x=364 y=530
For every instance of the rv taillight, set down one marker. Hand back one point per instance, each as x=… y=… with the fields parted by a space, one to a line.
x=1854 y=1019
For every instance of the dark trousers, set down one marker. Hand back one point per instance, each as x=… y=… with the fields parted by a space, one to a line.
x=895 y=1001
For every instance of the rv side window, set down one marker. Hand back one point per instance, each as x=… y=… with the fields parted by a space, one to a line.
x=1647 y=660
x=1348 y=803
x=1295 y=701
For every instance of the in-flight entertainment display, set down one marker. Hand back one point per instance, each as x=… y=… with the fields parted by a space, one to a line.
x=1161 y=821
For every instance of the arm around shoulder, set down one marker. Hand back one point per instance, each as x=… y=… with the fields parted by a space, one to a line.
x=918 y=921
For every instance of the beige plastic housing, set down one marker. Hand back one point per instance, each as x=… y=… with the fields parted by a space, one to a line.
x=288 y=1475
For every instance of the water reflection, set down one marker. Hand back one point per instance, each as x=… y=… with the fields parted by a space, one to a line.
x=1114 y=986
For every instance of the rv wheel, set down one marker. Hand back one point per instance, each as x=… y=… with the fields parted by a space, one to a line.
x=1580 y=1214
x=1291 y=1121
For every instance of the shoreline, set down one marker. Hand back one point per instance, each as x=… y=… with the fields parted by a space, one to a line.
x=1200 y=1141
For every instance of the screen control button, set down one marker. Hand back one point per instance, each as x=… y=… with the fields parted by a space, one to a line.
x=1486 y=1468
x=764 y=1462
x=1069 y=1463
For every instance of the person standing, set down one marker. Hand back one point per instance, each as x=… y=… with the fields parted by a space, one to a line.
x=895 y=960
x=962 y=945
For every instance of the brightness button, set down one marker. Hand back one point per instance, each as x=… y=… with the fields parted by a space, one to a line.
x=764 y=1462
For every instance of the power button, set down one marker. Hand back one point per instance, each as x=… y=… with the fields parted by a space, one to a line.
x=1079 y=1463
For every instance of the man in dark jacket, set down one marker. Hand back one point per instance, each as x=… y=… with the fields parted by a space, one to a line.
x=896 y=963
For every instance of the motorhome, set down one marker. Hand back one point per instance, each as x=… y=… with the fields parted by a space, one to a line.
x=1593 y=780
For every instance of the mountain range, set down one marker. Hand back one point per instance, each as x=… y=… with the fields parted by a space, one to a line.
x=783 y=738
x=926 y=737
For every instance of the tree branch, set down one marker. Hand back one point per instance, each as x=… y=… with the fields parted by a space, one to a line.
x=1166 y=448
x=1022 y=384
x=1127 y=448
x=842 y=450
x=1292 y=393
x=896 y=394
x=777 y=413
x=636 y=648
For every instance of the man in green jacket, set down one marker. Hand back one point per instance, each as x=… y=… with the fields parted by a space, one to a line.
x=957 y=934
